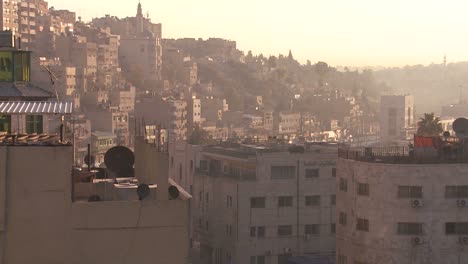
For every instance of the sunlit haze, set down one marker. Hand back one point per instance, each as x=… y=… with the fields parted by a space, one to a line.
x=363 y=32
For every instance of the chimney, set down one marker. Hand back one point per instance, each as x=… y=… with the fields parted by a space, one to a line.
x=152 y=167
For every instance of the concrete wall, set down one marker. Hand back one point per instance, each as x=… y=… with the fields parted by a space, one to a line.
x=40 y=224
x=384 y=210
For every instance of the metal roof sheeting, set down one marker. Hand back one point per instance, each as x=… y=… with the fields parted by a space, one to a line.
x=26 y=107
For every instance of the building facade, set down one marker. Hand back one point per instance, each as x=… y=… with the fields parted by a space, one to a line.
x=396 y=117
x=256 y=204
x=393 y=209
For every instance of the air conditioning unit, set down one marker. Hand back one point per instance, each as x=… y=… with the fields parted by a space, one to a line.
x=462 y=203
x=287 y=250
x=307 y=236
x=416 y=203
x=268 y=253
x=463 y=240
x=417 y=240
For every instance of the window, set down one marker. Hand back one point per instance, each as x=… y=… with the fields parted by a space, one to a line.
x=257 y=260
x=285 y=201
x=313 y=229
x=261 y=231
x=260 y=259
x=359 y=262
x=333 y=199
x=409 y=229
x=257 y=231
x=333 y=172
x=5 y=123
x=285 y=230
x=257 y=202
x=207 y=199
x=21 y=66
x=191 y=165
x=342 y=219
x=207 y=225
x=342 y=259
x=284 y=258
x=6 y=66
x=253 y=231
x=333 y=228
x=460 y=228
x=362 y=224
x=456 y=191
x=313 y=200
x=312 y=173
x=343 y=185
x=34 y=124
x=409 y=191
x=363 y=189
x=229 y=201
x=283 y=172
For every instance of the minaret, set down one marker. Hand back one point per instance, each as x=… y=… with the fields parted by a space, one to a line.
x=445 y=60
x=139 y=18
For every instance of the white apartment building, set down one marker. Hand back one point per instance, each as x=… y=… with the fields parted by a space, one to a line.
x=394 y=210
x=396 y=117
x=262 y=204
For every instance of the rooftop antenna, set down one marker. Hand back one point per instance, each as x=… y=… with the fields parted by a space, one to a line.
x=53 y=78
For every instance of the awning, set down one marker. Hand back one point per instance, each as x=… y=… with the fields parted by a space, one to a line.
x=26 y=107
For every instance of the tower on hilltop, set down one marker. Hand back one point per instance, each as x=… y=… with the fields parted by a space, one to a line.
x=139 y=18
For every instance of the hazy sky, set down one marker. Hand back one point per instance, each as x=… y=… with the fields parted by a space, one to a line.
x=340 y=32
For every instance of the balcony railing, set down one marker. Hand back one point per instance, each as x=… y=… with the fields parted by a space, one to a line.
x=404 y=155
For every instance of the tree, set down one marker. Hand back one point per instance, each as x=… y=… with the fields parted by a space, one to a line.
x=199 y=136
x=429 y=126
x=272 y=62
x=321 y=68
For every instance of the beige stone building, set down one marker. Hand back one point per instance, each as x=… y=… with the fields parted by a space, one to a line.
x=396 y=117
x=258 y=203
x=170 y=113
x=45 y=217
x=395 y=209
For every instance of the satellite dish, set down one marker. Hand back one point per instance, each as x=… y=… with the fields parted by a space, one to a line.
x=173 y=192
x=460 y=125
x=94 y=198
x=143 y=191
x=89 y=160
x=120 y=161
x=446 y=134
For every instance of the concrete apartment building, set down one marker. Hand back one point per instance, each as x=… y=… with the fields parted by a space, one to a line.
x=111 y=120
x=48 y=212
x=394 y=207
x=27 y=25
x=289 y=124
x=396 y=117
x=258 y=203
x=77 y=51
x=170 y=113
x=9 y=16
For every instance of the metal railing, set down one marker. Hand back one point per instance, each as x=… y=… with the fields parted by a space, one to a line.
x=401 y=155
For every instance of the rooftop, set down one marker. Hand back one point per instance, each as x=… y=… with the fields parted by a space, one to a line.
x=245 y=151
x=426 y=150
x=30 y=140
x=22 y=91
